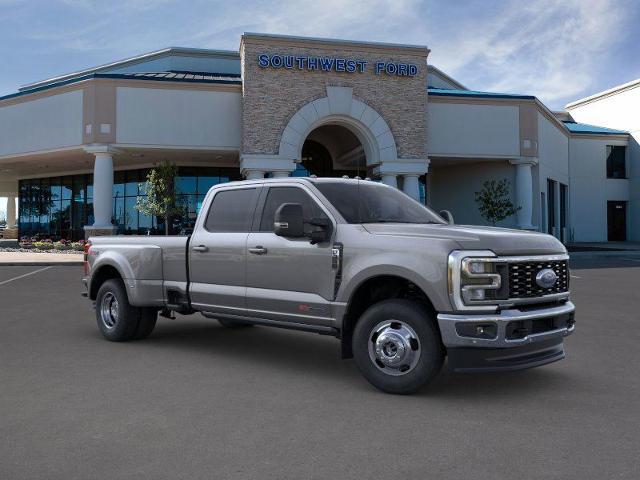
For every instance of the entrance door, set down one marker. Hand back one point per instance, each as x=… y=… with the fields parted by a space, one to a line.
x=289 y=279
x=617 y=221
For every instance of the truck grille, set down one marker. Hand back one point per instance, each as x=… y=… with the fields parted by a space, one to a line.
x=522 y=278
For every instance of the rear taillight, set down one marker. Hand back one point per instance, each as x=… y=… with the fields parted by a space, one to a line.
x=87 y=247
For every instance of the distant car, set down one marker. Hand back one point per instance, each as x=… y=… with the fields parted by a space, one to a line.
x=398 y=285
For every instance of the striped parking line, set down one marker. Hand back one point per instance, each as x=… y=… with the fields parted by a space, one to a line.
x=25 y=275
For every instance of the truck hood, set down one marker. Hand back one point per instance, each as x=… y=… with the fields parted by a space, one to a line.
x=502 y=241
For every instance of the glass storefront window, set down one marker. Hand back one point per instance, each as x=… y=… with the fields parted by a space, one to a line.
x=59 y=207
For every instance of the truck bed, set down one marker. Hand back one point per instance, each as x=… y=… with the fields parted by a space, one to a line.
x=149 y=265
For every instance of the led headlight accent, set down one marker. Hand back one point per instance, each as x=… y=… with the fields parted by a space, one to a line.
x=478 y=280
x=473 y=280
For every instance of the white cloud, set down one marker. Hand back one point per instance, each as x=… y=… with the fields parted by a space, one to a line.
x=547 y=48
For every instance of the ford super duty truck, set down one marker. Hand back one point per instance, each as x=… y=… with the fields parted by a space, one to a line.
x=400 y=287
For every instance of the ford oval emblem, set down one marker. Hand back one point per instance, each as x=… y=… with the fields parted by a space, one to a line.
x=546 y=278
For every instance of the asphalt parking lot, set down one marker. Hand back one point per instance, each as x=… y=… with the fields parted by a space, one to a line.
x=196 y=400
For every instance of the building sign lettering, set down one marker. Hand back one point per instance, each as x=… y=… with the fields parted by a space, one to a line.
x=333 y=64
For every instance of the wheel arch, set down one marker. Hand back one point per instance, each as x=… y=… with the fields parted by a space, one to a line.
x=104 y=272
x=373 y=289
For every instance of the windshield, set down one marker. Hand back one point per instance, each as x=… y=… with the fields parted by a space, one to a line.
x=369 y=202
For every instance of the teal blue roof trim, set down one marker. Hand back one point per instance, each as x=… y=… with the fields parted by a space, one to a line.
x=444 y=92
x=184 y=77
x=585 y=128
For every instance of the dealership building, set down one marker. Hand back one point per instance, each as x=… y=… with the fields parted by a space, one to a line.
x=75 y=149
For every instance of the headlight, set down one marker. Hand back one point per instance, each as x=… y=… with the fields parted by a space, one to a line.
x=474 y=280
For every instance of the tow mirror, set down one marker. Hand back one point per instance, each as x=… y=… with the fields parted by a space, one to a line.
x=322 y=230
x=447 y=216
x=289 y=221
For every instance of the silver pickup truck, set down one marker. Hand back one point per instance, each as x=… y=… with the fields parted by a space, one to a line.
x=399 y=286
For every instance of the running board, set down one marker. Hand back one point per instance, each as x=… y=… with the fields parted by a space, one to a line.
x=322 y=330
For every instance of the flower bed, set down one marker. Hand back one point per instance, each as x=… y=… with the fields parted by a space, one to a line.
x=35 y=244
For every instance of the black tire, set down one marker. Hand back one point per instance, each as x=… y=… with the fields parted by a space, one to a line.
x=118 y=321
x=394 y=319
x=146 y=324
x=231 y=324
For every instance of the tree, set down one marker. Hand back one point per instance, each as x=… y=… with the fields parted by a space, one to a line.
x=494 y=201
x=161 y=198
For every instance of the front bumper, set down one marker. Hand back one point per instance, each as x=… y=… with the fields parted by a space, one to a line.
x=510 y=340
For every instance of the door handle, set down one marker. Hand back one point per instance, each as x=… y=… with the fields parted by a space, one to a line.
x=200 y=248
x=258 y=250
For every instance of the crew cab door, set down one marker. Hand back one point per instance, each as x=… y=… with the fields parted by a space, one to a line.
x=289 y=279
x=218 y=251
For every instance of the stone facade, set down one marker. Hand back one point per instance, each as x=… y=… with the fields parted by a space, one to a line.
x=272 y=96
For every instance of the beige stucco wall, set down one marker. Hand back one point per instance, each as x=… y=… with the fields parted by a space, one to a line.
x=50 y=122
x=473 y=129
x=272 y=96
x=178 y=117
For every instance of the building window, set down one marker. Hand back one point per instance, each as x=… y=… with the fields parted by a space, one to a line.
x=616 y=161
x=60 y=207
x=564 y=200
x=551 y=206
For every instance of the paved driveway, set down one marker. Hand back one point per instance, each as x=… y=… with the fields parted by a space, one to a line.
x=199 y=401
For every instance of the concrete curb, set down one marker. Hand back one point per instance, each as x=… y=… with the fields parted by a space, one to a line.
x=71 y=263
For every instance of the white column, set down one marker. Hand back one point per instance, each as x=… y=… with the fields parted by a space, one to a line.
x=11 y=212
x=524 y=192
x=254 y=174
x=390 y=179
x=411 y=186
x=280 y=174
x=102 y=187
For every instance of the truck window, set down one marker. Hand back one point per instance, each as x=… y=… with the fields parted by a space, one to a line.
x=231 y=211
x=279 y=195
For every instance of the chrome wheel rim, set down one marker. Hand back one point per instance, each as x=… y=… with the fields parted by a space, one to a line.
x=394 y=347
x=109 y=310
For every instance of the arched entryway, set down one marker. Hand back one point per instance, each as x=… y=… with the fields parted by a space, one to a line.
x=333 y=151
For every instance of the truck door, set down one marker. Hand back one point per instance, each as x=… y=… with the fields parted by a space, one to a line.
x=218 y=252
x=289 y=279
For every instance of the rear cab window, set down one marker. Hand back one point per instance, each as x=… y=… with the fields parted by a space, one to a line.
x=231 y=211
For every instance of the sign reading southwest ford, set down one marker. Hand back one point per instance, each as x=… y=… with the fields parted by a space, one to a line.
x=332 y=64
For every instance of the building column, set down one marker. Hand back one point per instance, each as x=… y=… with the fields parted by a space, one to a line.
x=102 y=191
x=524 y=191
x=390 y=179
x=253 y=174
x=254 y=165
x=11 y=212
x=409 y=169
x=411 y=185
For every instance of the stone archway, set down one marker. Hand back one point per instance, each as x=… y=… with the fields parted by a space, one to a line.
x=339 y=107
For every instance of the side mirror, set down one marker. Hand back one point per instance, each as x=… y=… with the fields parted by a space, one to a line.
x=289 y=221
x=322 y=232
x=446 y=214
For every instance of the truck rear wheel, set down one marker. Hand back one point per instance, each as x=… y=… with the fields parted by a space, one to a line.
x=397 y=346
x=117 y=319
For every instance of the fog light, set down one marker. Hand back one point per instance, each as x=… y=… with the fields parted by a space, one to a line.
x=477 y=330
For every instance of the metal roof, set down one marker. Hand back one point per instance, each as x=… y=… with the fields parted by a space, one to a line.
x=187 y=77
x=444 y=92
x=585 y=128
x=134 y=60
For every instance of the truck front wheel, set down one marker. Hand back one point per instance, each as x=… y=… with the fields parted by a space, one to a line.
x=397 y=347
x=117 y=319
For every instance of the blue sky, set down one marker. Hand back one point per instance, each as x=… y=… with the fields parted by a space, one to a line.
x=557 y=50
